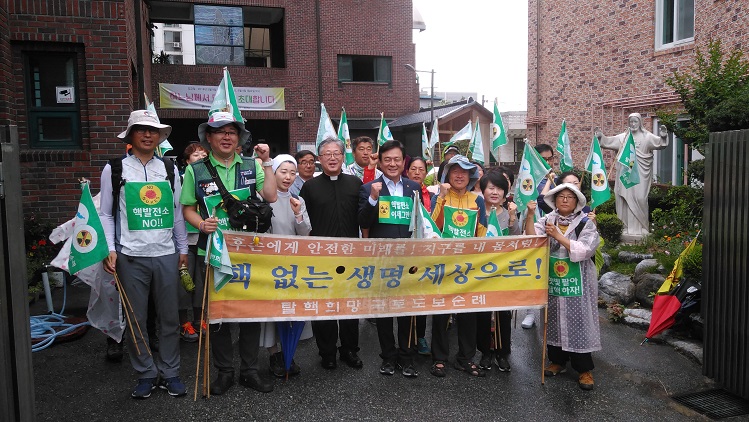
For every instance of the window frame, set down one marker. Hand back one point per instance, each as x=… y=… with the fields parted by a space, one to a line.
x=70 y=111
x=344 y=61
x=659 y=16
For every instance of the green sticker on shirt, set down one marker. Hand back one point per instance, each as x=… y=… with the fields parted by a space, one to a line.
x=149 y=205
x=395 y=210
x=459 y=223
x=564 y=278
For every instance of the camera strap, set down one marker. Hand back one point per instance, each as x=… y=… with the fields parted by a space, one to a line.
x=225 y=195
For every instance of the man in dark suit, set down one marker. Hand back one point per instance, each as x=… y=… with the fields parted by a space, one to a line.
x=384 y=212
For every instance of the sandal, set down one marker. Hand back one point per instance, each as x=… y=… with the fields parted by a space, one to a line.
x=438 y=369
x=471 y=369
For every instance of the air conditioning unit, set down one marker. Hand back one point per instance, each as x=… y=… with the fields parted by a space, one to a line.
x=176 y=44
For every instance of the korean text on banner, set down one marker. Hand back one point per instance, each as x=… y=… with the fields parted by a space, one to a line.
x=201 y=97
x=334 y=278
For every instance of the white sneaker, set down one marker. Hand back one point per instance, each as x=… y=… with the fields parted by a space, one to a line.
x=529 y=321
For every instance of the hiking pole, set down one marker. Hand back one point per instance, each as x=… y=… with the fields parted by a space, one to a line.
x=127 y=316
x=203 y=315
x=123 y=294
x=543 y=352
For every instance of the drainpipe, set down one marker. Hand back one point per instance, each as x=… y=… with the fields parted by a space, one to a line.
x=538 y=58
x=139 y=54
x=319 y=52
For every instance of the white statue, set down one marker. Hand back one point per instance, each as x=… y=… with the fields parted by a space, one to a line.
x=632 y=203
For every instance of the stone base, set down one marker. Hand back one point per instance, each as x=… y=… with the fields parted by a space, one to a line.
x=631 y=239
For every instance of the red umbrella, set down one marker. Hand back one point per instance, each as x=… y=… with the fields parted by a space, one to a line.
x=664 y=309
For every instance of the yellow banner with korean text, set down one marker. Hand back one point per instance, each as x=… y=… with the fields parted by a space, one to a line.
x=312 y=278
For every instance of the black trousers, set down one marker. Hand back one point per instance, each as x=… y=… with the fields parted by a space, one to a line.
x=404 y=353
x=503 y=328
x=421 y=326
x=466 y=338
x=581 y=362
x=327 y=334
x=248 y=345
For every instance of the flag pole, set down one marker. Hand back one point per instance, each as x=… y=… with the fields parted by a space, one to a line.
x=203 y=317
x=543 y=351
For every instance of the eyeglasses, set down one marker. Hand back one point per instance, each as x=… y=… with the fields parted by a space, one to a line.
x=306 y=163
x=566 y=198
x=226 y=133
x=329 y=155
x=141 y=130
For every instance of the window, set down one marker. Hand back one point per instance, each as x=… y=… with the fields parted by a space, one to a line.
x=222 y=35
x=52 y=100
x=364 y=69
x=674 y=23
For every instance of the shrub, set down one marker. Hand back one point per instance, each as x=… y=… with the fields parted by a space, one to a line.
x=693 y=263
x=39 y=250
x=696 y=172
x=610 y=228
x=608 y=207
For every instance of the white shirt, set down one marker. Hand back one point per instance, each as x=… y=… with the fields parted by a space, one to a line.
x=395 y=189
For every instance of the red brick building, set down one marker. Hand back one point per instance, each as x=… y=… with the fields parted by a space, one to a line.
x=593 y=63
x=72 y=71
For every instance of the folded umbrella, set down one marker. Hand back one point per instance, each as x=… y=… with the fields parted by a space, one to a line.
x=289 y=333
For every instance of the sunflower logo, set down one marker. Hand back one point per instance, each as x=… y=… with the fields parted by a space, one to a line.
x=561 y=269
x=460 y=218
x=150 y=194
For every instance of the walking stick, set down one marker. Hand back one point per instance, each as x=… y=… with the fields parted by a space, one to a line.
x=495 y=316
x=543 y=352
x=123 y=295
x=127 y=316
x=207 y=359
x=203 y=314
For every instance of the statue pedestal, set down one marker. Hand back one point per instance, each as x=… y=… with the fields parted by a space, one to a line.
x=631 y=239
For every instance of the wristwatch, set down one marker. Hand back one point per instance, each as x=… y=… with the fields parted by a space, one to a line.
x=267 y=163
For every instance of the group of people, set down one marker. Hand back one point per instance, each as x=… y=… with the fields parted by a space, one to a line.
x=147 y=213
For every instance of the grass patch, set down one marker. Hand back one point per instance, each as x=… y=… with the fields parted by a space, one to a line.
x=627 y=268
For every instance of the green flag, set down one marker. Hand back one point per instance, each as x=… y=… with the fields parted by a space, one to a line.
x=89 y=245
x=164 y=146
x=477 y=145
x=630 y=173
x=533 y=168
x=343 y=135
x=563 y=147
x=599 y=182
x=426 y=150
x=325 y=128
x=225 y=98
x=434 y=137
x=499 y=137
x=219 y=260
x=462 y=134
x=493 y=229
x=384 y=134
x=422 y=226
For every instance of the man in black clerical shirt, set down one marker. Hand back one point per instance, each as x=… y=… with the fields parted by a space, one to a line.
x=332 y=204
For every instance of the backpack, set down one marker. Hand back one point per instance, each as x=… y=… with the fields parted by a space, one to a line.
x=579 y=229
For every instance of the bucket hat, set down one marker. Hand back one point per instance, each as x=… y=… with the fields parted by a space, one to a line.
x=551 y=195
x=463 y=162
x=219 y=119
x=145 y=118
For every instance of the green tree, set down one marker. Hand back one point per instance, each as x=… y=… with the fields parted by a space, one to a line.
x=715 y=94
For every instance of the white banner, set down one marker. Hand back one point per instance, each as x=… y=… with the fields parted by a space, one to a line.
x=201 y=97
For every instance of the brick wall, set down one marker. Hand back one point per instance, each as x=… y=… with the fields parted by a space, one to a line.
x=344 y=30
x=98 y=32
x=597 y=63
x=102 y=32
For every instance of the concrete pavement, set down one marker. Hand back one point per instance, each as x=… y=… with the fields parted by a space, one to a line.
x=74 y=382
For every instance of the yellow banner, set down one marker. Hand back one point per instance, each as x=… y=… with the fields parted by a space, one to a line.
x=307 y=278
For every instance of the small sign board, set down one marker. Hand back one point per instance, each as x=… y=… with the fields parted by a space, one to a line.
x=65 y=95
